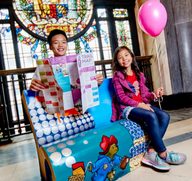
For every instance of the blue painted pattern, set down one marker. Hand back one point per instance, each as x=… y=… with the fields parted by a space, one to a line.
x=49 y=129
x=138 y=135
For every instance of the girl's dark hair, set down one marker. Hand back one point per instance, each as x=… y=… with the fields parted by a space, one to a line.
x=55 y=32
x=117 y=67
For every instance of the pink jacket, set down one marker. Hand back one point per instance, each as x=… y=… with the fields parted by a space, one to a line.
x=123 y=94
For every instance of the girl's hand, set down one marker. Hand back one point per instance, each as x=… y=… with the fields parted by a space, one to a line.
x=99 y=79
x=145 y=106
x=36 y=85
x=159 y=92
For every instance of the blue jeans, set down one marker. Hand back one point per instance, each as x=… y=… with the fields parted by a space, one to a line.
x=155 y=122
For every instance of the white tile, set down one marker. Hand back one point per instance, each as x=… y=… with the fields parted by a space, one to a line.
x=27 y=165
x=143 y=176
x=178 y=128
x=24 y=174
x=185 y=169
x=6 y=172
x=177 y=172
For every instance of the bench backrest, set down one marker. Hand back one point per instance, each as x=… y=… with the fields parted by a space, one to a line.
x=102 y=113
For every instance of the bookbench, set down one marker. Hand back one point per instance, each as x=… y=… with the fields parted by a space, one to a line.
x=86 y=146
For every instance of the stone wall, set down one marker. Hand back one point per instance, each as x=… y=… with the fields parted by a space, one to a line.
x=148 y=46
x=179 y=44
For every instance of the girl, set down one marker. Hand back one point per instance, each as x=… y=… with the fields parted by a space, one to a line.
x=131 y=101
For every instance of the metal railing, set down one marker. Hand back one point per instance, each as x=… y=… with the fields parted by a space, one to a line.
x=13 y=82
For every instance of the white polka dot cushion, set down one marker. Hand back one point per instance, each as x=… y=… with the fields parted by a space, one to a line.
x=49 y=129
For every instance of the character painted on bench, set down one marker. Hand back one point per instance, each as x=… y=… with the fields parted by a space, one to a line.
x=103 y=168
x=131 y=101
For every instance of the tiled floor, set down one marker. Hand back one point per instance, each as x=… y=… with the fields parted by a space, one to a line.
x=177 y=173
x=18 y=161
x=180 y=114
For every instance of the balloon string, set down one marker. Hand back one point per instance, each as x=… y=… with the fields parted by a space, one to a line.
x=159 y=103
x=161 y=83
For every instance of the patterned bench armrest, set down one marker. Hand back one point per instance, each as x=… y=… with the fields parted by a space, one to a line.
x=49 y=128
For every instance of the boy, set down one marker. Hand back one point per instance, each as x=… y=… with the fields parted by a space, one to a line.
x=57 y=40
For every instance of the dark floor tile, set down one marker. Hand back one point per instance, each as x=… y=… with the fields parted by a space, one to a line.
x=178 y=139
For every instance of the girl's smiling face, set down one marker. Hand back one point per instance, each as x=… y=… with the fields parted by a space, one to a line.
x=58 y=45
x=124 y=59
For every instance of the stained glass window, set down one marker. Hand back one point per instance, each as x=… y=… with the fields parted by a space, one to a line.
x=92 y=39
x=4 y=14
x=101 y=13
x=124 y=34
x=120 y=13
x=10 y=63
x=30 y=48
x=86 y=43
x=7 y=46
x=105 y=40
x=123 y=28
x=9 y=60
x=42 y=16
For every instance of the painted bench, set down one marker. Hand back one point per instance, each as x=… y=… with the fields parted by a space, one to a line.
x=86 y=146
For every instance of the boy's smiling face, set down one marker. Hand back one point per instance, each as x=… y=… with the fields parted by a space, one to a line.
x=58 y=45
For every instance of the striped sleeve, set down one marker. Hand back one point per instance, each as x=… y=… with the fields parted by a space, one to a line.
x=122 y=97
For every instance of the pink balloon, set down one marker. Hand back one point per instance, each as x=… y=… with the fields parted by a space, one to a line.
x=152 y=17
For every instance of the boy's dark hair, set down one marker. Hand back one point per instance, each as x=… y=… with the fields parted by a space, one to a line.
x=55 y=32
x=117 y=67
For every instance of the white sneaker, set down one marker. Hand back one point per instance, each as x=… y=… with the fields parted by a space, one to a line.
x=175 y=158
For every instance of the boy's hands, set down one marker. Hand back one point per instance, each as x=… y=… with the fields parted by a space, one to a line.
x=99 y=79
x=36 y=85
